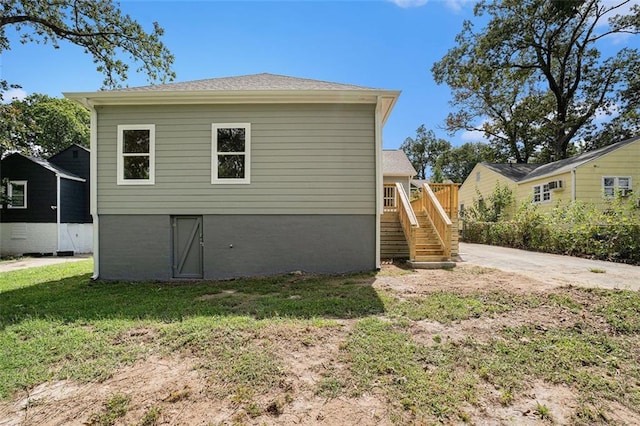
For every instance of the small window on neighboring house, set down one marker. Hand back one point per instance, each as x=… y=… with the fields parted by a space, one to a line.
x=136 y=154
x=613 y=184
x=541 y=193
x=231 y=153
x=17 y=193
x=75 y=153
x=477 y=176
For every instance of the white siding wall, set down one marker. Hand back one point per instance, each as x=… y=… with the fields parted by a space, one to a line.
x=77 y=237
x=305 y=159
x=19 y=238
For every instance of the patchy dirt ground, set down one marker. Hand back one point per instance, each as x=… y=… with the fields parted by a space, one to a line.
x=179 y=393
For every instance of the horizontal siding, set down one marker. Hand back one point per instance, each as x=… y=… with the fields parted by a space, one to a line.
x=468 y=192
x=305 y=159
x=558 y=197
x=621 y=162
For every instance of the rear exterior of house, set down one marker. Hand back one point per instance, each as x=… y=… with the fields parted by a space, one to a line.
x=241 y=176
x=48 y=207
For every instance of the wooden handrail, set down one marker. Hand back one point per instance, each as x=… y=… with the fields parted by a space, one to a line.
x=447 y=195
x=408 y=219
x=441 y=222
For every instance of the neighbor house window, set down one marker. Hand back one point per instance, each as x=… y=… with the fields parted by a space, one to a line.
x=231 y=150
x=613 y=184
x=136 y=154
x=541 y=193
x=17 y=193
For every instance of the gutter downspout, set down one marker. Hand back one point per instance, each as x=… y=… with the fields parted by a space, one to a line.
x=573 y=184
x=379 y=180
x=93 y=189
x=58 y=233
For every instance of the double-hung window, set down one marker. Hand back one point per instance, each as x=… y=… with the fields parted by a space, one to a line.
x=17 y=193
x=541 y=193
x=231 y=153
x=136 y=154
x=611 y=184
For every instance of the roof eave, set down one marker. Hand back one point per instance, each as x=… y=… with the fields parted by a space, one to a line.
x=232 y=96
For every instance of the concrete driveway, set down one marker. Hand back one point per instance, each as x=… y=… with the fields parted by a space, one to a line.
x=552 y=268
x=31 y=262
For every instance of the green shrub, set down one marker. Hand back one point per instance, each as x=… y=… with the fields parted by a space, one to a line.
x=578 y=229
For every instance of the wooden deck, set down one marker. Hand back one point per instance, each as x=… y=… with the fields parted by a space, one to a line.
x=423 y=230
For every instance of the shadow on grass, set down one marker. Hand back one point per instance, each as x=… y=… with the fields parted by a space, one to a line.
x=77 y=298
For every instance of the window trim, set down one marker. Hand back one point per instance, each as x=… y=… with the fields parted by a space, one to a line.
x=152 y=154
x=10 y=193
x=542 y=192
x=215 y=180
x=616 y=185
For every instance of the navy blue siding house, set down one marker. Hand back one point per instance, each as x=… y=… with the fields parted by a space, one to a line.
x=48 y=204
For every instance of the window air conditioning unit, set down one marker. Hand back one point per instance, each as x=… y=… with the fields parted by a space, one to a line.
x=556 y=185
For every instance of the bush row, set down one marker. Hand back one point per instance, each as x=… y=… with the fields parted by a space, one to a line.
x=576 y=229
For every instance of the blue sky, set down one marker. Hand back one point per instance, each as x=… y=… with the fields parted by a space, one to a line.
x=382 y=44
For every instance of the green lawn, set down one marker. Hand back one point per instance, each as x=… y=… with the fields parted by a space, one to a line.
x=55 y=323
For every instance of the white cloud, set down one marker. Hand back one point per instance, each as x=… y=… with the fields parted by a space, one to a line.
x=472 y=136
x=454 y=5
x=409 y=3
x=457 y=5
x=12 y=94
x=624 y=9
x=475 y=135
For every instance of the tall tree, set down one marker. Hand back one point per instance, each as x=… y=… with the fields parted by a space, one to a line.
x=424 y=150
x=41 y=126
x=457 y=163
x=98 y=26
x=535 y=73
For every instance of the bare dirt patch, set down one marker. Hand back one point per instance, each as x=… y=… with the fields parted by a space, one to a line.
x=181 y=392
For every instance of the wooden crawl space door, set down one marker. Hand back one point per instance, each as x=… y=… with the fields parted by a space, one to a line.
x=187 y=245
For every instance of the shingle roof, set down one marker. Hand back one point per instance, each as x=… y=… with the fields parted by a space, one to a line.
x=513 y=171
x=51 y=167
x=250 y=82
x=527 y=172
x=568 y=164
x=396 y=163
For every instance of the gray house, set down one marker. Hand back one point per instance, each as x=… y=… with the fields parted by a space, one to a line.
x=239 y=176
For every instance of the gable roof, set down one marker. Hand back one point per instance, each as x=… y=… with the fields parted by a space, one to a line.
x=512 y=171
x=47 y=165
x=255 y=88
x=568 y=164
x=396 y=163
x=74 y=146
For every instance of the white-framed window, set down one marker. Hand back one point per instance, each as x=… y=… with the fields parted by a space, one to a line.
x=17 y=193
x=136 y=154
x=541 y=193
x=231 y=153
x=613 y=184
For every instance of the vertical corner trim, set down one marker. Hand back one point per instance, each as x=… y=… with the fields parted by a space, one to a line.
x=379 y=179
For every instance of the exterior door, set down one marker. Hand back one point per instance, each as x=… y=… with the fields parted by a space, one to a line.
x=187 y=246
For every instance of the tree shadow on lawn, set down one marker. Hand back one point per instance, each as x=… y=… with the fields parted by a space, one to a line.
x=79 y=298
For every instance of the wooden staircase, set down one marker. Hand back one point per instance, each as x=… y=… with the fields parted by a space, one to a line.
x=393 y=244
x=427 y=245
x=422 y=230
